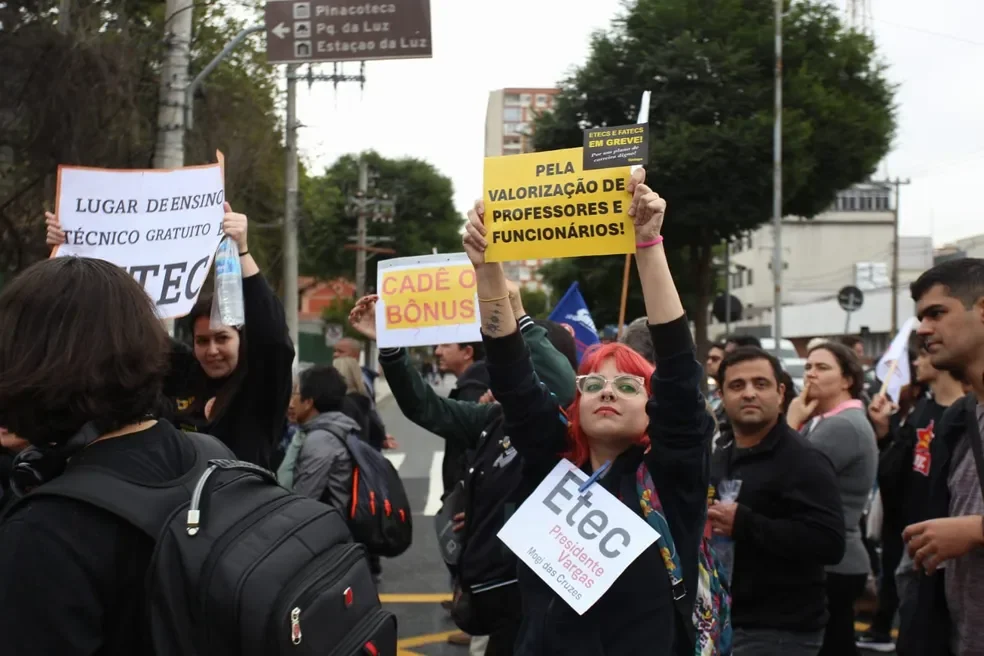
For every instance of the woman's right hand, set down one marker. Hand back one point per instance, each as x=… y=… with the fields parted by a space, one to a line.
x=802 y=408
x=474 y=238
x=55 y=235
x=880 y=412
x=363 y=316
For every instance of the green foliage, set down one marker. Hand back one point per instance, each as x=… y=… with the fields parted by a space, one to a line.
x=338 y=313
x=425 y=215
x=90 y=97
x=535 y=302
x=709 y=65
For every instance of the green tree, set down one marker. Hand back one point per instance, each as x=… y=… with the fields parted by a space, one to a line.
x=425 y=216
x=535 y=302
x=709 y=65
x=338 y=313
x=90 y=97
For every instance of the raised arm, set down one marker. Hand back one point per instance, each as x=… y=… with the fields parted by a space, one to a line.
x=533 y=417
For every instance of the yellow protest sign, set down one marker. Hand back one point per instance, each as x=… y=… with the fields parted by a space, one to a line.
x=426 y=300
x=545 y=205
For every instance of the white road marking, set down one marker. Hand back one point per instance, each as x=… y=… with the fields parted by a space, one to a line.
x=396 y=459
x=436 y=485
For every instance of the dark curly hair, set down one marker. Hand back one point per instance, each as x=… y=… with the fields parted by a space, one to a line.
x=80 y=342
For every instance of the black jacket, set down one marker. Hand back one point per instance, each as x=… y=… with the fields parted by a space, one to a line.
x=924 y=627
x=788 y=526
x=253 y=422
x=637 y=615
x=471 y=386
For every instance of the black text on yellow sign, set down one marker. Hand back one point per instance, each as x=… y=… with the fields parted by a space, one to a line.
x=625 y=145
x=545 y=205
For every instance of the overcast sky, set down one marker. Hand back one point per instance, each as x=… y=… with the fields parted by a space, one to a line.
x=434 y=109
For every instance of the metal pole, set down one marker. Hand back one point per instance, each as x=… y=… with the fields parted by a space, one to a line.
x=64 y=15
x=895 y=255
x=777 y=187
x=193 y=86
x=169 y=152
x=847 y=322
x=360 y=235
x=291 y=302
x=727 y=288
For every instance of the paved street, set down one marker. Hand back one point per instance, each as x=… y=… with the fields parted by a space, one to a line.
x=415 y=583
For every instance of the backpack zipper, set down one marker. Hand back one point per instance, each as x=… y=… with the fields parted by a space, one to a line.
x=361 y=633
x=290 y=600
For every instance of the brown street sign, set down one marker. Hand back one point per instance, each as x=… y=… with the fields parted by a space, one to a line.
x=310 y=31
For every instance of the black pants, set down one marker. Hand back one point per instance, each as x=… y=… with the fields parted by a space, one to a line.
x=502 y=642
x=842 y=591
x=888 y=597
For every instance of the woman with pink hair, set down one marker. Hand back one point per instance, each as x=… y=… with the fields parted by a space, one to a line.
x=645 y=433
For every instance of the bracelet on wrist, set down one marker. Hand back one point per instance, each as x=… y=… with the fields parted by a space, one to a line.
x=245 y=252
x=658 y=239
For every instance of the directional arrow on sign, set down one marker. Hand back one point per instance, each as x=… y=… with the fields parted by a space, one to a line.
x=281 y=30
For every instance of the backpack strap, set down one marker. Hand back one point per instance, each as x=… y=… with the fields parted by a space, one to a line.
x=652 y=510
x=147 y=507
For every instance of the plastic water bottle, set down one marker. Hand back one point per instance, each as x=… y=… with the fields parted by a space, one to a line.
x=227 y=303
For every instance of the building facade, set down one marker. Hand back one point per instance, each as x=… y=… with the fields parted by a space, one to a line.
x=509 y=131
x=849 y=244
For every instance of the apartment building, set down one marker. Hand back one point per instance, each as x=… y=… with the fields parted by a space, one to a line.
x=509 y=131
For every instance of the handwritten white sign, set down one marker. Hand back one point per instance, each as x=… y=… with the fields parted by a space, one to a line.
x=579 y=543
x=161 y=226
x=425 y=300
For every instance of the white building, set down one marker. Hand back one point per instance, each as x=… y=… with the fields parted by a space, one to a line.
x=509 y=131
x=849 y=244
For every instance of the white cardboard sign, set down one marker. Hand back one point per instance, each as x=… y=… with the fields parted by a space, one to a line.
x=426 y=300
x=579 y=543
x=161 y=226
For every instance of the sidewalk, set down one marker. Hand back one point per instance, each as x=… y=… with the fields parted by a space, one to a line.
x=382 y=390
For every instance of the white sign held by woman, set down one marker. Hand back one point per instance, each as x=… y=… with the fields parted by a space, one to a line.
x=579 y=543
x=161 y=226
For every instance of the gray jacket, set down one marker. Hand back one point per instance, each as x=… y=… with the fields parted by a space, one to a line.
x=323 y=469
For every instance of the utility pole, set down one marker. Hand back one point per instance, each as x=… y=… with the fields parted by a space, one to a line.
x=360 y=230
x=290 y=257
x=64 y=15
x=777 y=186
x=727 y=287
x=897 y=183
x=169 y=152
x=291 y=301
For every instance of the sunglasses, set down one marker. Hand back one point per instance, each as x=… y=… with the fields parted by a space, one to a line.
x=625 y=385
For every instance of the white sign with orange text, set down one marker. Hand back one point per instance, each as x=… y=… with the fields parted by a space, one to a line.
x=426 y=300
x=579 y=543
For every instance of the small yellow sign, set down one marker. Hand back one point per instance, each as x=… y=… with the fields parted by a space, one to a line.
x=545 y=205
x=429 y=296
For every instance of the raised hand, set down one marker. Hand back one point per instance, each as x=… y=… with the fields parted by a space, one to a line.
x=646 y=209
x=802 y=408
x=474 y=238
x=55 y=235
x=236 y=226
x=363 y=316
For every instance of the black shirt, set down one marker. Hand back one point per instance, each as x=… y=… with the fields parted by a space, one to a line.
x=254 y=420
x=789 y=524
x=73 y=575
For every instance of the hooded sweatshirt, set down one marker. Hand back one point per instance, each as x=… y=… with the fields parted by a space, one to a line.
x=323 y=466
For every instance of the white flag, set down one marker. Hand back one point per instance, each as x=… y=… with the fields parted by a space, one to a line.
x=898 y=353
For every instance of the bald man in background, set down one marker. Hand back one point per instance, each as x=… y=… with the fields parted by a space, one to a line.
x=352 y=348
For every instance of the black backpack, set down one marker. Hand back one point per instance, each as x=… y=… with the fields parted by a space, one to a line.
x=379 y=514
x=486 y=597
x=242 y=567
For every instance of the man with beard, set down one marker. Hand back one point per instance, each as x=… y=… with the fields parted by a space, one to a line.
x=787 y=522
x=950 y=306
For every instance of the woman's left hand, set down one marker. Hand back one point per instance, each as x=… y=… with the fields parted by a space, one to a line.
x=647 y=208
x=236 y=226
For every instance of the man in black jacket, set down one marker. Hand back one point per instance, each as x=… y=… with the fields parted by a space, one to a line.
x=788 y=521
x=946 y=618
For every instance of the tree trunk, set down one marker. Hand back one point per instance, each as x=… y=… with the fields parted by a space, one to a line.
x=704 y=284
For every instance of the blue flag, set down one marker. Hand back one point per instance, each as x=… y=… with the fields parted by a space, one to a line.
x=572 y=313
